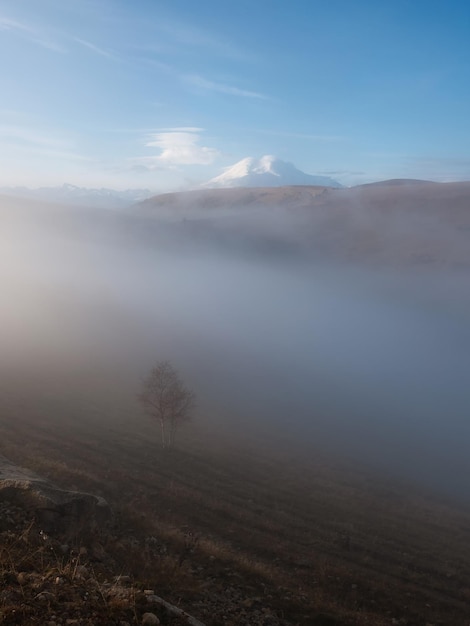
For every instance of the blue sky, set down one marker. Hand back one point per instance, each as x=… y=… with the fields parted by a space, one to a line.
x=164 y=94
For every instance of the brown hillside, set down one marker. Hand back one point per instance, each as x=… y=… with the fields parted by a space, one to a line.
x=392 y=224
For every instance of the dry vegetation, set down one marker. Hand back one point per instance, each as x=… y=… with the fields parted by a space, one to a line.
x=239 y=534
x=415 y=224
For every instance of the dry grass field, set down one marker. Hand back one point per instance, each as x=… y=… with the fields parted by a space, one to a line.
x=242 y=532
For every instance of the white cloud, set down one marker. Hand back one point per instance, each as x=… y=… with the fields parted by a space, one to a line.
x=208 y=85
x=178 y=146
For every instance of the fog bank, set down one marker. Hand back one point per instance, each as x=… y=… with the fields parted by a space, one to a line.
x=369 y=363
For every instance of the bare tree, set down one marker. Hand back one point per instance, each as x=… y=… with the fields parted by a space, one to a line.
x=167 y=399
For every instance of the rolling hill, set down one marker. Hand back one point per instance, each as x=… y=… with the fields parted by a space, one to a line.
x=417 y=223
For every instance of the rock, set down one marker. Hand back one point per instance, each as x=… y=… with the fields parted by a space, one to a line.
x=45 y=596
x=122 y=579
x=153 y=599
x=150 y=619
x=55 y=509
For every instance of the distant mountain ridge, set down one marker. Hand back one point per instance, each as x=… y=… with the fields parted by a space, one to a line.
x=269 y=171
x=398 y=182
x=80 y=196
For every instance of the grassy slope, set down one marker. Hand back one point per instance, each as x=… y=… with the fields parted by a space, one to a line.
x=313 y=543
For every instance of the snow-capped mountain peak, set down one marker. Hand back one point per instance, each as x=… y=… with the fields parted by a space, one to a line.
x=268 y=171
x=267 y=164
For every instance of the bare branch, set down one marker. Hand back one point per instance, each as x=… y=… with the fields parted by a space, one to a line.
x=166 y=398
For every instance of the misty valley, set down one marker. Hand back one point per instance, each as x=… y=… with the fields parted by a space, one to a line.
x=325 y=333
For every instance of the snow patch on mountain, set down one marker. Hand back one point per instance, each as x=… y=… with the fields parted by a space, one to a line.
x=268 y=171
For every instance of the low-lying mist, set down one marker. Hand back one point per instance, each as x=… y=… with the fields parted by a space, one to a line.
x=370 y=364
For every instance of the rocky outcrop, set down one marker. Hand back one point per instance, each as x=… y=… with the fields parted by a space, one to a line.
x=55 y=509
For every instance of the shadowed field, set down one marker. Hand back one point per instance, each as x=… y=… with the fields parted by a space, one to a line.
x=245 y=525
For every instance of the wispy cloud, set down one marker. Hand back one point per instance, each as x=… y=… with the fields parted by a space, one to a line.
x=341 y=173
x=308 y=136
x=181 y=129
x=32 y=34
x=11 y=114
x=444 y=169
x=156 y=63
x=178 y=146
x=25 y=135
x=177 y=35
x=8 y=24
x=208 y=85
x=96 y=49
x=49 y=44
x=127 y=130
x=31 y=140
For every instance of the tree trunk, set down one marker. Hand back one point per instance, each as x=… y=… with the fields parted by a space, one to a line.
x=172 y=435
x=162 y=423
